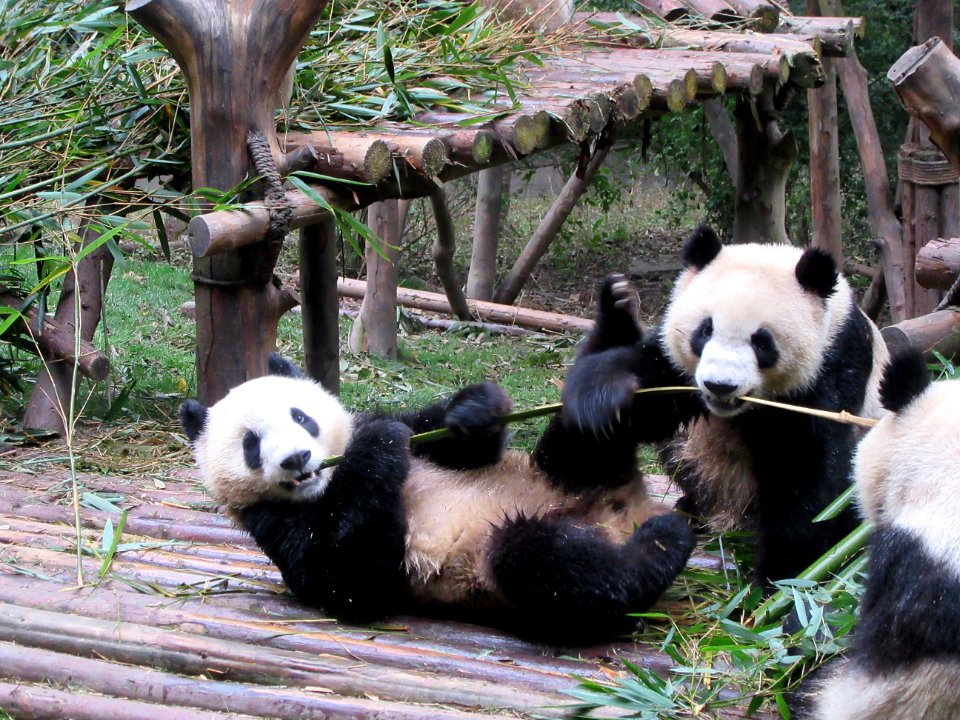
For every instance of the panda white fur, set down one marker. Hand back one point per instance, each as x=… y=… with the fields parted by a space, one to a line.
x=905 y=659
x=770 y=321
x=560 y=555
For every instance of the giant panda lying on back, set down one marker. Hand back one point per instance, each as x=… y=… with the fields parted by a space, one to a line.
x=905 y=659
x=560 y=554
x=770 y=321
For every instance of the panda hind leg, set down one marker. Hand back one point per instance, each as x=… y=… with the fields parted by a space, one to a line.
x=566 y=584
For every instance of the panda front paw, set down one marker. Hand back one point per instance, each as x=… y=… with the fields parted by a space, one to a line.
x=380 y=438
x=618 y=296
x=478 y=410
x=599 y=388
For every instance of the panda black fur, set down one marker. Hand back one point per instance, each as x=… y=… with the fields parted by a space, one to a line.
x=905 y=658
x=460 y=524
x=770 y=321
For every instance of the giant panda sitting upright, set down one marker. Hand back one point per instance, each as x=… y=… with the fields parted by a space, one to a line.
x=459 y=524
x=905 y=658
x=770 y=321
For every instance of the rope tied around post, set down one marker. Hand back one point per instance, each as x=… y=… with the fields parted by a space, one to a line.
x=275 y=200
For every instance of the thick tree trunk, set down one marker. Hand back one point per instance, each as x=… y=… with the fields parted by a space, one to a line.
x=319 y=302
x=766 y=156
x=234 y=56
x=80 y=299
x=375 y=329
x=548 y=228
x=825 y=160
x=486 y=233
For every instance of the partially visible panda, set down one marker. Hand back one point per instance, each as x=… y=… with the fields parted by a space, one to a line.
x=771 y=321
x=905 y=659
x=559 y=555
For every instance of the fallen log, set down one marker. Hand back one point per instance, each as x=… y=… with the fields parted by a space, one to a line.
x=487 y=311
x=938 y=331
x=938 y=263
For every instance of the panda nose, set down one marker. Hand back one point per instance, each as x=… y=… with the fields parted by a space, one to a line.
x=296 y=461
x=719 y=389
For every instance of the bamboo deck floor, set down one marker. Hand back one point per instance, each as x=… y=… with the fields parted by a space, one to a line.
x=191 y=621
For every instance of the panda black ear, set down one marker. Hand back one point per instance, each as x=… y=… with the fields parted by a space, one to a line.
x=278 y=365
x=817 y=272
x=193 y=417
x=700 y=248
x=904 y=379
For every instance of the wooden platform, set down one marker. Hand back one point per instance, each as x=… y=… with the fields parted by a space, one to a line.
x=191 y=615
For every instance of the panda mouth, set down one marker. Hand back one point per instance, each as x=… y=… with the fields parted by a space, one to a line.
x=724 y=407
x=291 y=485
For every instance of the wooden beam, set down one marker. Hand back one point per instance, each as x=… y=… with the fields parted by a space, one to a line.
x=938 y=263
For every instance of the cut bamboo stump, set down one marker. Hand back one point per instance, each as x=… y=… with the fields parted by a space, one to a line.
x=486 y=311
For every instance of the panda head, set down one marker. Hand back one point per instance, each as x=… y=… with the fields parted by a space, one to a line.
x=752 y=319
x=907 y=468
x=267 y=438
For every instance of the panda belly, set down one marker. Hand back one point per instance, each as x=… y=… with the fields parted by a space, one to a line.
x=928 y=689
x=712 y=464
x=452 y=516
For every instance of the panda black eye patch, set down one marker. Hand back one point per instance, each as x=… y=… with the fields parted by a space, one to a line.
x=703 y=333
x=765 y=348
x=305 y=421
x=251 y=450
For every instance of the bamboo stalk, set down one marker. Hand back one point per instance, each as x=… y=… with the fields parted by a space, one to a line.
x=843 y=417
x=774 y=606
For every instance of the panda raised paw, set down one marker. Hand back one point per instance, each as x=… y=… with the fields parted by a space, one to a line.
x=599 y=389
x=617 y=295
x=477 y=409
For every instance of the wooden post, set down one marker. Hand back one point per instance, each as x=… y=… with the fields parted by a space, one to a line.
x=486 y=233
x=825 y=159
x=375 y=329
x=234 y=55
x=444 y=248
x=319 y=302
x=766 y=155
x=929 y=185
x=885 y=227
